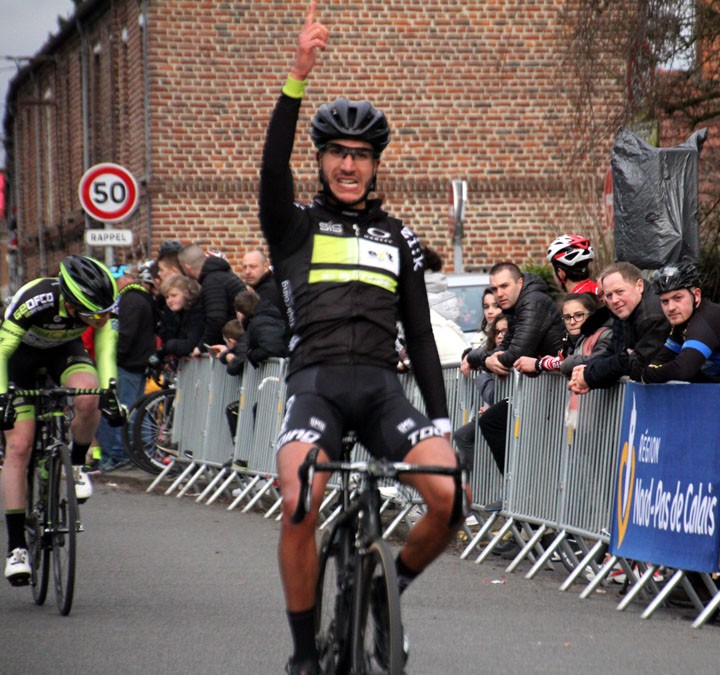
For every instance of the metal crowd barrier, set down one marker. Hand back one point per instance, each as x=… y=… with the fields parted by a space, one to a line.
x=556 y=493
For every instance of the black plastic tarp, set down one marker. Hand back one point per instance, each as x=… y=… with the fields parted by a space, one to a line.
x=655 y=199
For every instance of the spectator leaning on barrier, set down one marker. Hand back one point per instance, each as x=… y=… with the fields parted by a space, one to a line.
x=691 y=352
x=491 y=310
x=644 y=328
x=264 y=326
x=588 y=331
x=464 y=437
x=218 y=287
x=570 y=257
x=182 y=295
x=535 y=329
x=353 y=271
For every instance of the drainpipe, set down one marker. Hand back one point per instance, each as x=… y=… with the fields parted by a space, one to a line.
x=146 y=100
x=85 y=111
x=39 y=177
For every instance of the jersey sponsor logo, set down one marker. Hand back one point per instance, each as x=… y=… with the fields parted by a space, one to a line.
x=379 y=256
x=300 y=435
x=415 y=248
x=376 y=234
x=329 y=227
x=317 y=423
x=287 y=294
x=33 y=305
x=406 y=425
x=423 y=433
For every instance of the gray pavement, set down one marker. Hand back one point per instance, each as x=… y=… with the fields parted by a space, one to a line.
x=169 y=586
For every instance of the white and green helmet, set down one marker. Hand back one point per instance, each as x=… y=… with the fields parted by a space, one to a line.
x=87 y=284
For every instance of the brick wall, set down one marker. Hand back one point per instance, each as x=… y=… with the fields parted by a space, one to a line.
x=473 y=90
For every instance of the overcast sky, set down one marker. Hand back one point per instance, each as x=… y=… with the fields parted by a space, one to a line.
x=24 y=29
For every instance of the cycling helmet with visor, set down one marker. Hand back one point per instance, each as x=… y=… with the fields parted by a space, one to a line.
x=570 y=250
x=87 y=285
x=357 y=120
x=676 y=276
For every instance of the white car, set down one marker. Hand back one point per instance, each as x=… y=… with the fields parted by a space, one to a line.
x=469 y=288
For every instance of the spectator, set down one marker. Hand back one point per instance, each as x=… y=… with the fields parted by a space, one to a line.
x=570 y=257
x=491 y=310
x=136 y=343
x=182 y=295
x=234 y=352
x=440 y=299
x=691 y=352
x=264 y=325
x=218 y=288
x=588 y=331
x=485 y=383
x=643 y=330
x=167 y=265
x=258 y=275
x=534 y=329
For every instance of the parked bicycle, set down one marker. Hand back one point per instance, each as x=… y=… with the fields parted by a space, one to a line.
x=147 y=437
x=356 y=565
x=52 y=514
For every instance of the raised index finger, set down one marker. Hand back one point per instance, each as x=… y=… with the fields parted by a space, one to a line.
x=310 y=17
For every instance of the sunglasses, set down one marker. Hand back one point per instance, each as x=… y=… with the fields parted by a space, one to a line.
x=337 y=151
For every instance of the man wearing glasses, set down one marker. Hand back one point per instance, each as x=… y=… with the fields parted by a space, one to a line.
x=41 y=331
x=348 y=271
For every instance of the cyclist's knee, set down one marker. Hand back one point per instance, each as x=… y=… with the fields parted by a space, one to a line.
x=86 y=407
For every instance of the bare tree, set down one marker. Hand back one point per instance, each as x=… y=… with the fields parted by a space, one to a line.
x=663 y=57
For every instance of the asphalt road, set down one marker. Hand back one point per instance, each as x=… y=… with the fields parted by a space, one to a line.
x=169 y=586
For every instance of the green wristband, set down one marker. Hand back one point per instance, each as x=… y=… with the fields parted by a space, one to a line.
x=294 y=88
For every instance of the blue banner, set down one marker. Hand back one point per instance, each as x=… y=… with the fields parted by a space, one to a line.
x=668 y=477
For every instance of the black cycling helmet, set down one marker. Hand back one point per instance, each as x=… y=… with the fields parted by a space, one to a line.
x=87 y=284
x=675 y=276
x=358 y=120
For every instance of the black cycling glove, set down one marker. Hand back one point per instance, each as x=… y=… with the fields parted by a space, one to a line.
x=7 y=412
x=113 y=411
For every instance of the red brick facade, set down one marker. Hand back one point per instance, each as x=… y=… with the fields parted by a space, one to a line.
x=473 y=90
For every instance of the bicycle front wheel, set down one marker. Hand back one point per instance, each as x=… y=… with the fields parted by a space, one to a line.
x=34 y=529
x=333 y=605
x=63 y=524
x=152 y=430
x=377 y=640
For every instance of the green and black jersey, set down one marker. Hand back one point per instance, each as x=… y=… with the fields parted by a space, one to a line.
x=37 y=317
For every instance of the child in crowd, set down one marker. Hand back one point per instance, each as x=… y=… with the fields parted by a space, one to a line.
x=234 y=351
x=182 y=296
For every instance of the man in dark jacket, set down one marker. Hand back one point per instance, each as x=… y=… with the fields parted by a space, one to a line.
x=219 y=286
x=136 y=343
x=644 y=329
x=258 y=275
x=535 y=328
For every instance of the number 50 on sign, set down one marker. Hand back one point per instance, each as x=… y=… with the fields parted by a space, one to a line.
x=108 y=192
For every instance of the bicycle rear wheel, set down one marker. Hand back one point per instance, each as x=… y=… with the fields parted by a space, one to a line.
x=377 y=577
x=63 y=524
x=152 y=430
x=34 y=530
x=333 y=604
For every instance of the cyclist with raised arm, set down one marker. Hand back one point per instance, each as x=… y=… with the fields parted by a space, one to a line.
x=41 y=332
x=348 y=271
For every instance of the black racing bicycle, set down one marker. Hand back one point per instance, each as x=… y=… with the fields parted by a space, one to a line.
x=52 y=519
x=357 y=592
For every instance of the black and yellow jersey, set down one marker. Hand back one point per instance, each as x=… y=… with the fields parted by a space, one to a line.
x=37 y=317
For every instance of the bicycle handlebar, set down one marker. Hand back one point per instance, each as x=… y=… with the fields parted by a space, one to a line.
x=377 y=468
x=62 y=392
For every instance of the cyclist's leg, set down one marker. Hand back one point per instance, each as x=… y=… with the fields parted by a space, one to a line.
x=297 y=550
x=87 y=412
x=18 y=446
x=432 y=533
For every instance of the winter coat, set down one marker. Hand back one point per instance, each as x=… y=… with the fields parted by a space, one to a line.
x=266 y=332
x=189 y=331
x=136 y=334
x=219 y=286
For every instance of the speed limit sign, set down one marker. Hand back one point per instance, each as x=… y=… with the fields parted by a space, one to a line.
x=108 y=192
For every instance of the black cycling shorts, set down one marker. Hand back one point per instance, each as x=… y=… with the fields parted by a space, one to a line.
x=27 y=363
x=325 y=403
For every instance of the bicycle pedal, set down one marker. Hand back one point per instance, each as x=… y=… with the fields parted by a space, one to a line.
x=19 y=580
